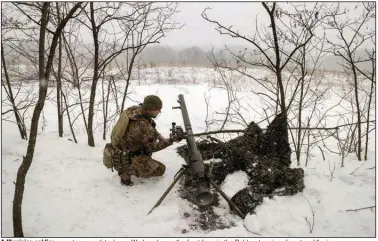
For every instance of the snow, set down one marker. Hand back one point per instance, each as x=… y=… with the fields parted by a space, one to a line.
x=68 y=191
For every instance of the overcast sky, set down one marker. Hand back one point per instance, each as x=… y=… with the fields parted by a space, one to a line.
x=241 y=15
x=198 y=31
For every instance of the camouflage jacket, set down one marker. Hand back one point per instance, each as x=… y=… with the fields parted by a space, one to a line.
x=141 y=134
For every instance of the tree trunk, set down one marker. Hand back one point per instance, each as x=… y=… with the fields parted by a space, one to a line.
x=69 y=117
x=21 y=174
x=82 y=107
x=44 y=74
x=59 y=81
x=105 y=103
x=20 y=123
x=359 y=139
x=368 y=114
x=104 y=110
x=281 y=90
x=72 y=61
x=303 y=69
x=308 y=142
x=76 y=84
x=130 y=67
x=114 y=91
x=95 y=79
x=282 y=102
x=300 y=124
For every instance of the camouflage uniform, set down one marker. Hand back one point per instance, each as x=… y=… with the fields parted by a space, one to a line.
x=141 y=140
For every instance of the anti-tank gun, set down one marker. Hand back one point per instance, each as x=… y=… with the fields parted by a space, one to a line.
x=194 y=164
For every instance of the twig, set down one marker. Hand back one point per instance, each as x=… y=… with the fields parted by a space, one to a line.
x=308 y=144
x=216 y=132
x=292 y=128
x=357 y=168
x=207 y=112
x=311 y=226
x=331 y=171
x=329 y=128
x=322 y=153
x=370 y=168
x=358 y=209
x=214 y=139
x=250 y=230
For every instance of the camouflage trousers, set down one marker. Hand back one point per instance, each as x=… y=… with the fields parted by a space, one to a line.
x=141 y=166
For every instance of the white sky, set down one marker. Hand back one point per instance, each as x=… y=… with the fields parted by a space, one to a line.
x=241 y=15
x=198 y=31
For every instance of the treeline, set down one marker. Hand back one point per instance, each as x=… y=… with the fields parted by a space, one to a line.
x=159 y=55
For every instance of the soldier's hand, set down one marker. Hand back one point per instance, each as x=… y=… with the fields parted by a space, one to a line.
x=176 y=138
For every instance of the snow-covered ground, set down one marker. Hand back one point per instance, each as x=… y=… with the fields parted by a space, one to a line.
x=68 y=191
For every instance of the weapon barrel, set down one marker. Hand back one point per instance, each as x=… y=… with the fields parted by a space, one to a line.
x=195 y=161
x=194 y=158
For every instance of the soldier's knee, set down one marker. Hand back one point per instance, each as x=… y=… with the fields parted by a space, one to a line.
x=147 y=167
x=142 y=166
x=143 y=171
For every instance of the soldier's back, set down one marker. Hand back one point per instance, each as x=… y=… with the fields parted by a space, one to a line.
x=139 y=131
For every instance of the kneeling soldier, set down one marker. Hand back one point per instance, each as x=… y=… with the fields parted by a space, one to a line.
x=133 y=149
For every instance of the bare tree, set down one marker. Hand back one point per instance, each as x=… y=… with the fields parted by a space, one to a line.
x=273 y=48
x=352 y=35
x=370 y=96
x=9 y=24
x=44 y=75
x=369 y=74
x=23 y=37
x=8 y=89
x=105 y=103
x=141 y=24
x=68 y=115
x=343 y=143
x=308 y=77
x=76 y=71
x=59 y=79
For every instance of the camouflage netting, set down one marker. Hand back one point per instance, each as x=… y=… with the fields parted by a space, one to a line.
x=263 y=156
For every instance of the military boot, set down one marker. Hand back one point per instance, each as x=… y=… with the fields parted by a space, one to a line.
x=126 y=179
x=127 y=182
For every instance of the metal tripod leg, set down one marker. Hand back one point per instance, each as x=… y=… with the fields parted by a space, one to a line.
x=224 y=195
x=178 y=176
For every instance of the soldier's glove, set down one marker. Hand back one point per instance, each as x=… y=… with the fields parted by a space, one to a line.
x=176 y=138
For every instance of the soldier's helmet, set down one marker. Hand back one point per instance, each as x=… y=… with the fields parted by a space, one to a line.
x=152 y=102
